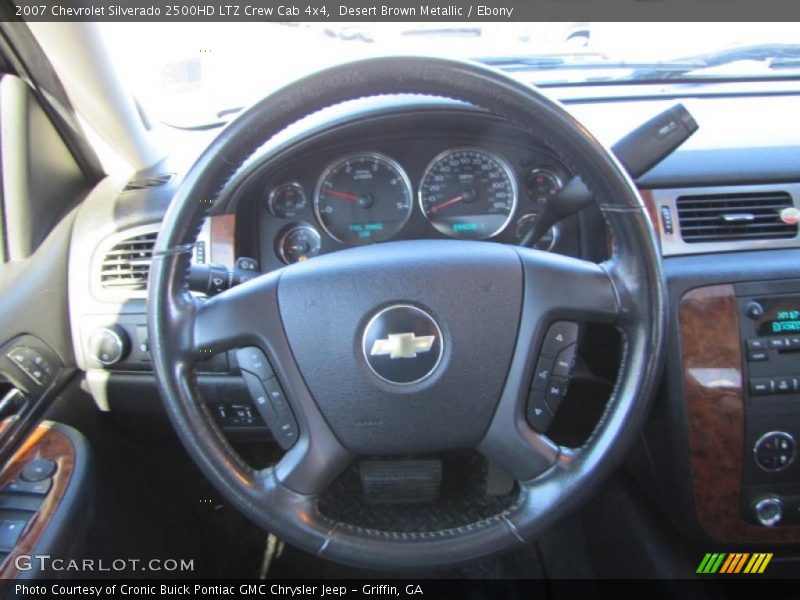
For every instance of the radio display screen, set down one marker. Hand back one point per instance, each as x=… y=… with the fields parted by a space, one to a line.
x=781 y=317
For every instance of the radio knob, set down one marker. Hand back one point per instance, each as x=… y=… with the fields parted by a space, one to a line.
x=754 y=310
x=109 y=345
x=769 y=511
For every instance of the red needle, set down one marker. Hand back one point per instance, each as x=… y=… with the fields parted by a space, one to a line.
x=446 y=203
x=339 y=194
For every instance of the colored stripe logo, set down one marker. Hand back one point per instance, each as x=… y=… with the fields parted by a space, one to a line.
x=734 y=563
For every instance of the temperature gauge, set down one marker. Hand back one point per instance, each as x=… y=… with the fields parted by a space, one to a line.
x=550 y=238
x=287 y=200
x=298 y=243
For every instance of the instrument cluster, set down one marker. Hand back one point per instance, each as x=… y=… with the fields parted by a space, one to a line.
x=466 y=192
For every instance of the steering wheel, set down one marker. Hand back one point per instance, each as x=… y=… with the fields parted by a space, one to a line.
x=478 y=312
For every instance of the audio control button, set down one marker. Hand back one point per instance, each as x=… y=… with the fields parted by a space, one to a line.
x=757 y=355
x=774 y=451
x=778 y=343
x=783 y=385
x=756 y=344
x=761 y=386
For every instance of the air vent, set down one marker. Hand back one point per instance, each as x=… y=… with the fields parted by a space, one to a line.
x=732 y=217
x=127 y=264
x=147 y=182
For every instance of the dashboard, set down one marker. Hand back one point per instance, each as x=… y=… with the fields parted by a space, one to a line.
x=418 y=176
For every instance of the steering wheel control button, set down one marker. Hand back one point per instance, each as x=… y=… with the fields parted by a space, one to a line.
x=565 y=361
x=38 y=470
x=252 y=360
x=19 y=486
x=556 y=391
x=544 y=368
x=538 y=414
x=272 y=405
x=774 y=451
x=402 y=344
x=560 y=335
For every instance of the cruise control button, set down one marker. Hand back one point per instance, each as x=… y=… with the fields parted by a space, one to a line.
x=252 y=359
x=286 y=432
x=560 y=335
x=261 y=399
x=565 y=361
x=276 y=396
x=537 y=413
x=37 y=470
x=542 y=374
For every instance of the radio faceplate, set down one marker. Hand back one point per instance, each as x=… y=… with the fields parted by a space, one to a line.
x=769 y=323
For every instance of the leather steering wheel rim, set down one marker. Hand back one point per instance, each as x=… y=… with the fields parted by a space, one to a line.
x=627 y=291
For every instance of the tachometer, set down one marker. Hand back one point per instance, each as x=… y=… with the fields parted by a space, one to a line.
x=468 y=193
x=363 y=199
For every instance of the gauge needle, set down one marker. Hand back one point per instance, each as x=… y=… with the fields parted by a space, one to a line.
x=339 y=194
x=446 y=203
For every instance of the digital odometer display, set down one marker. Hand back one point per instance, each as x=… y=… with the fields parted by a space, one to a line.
x=468 y=194
x=363 y=199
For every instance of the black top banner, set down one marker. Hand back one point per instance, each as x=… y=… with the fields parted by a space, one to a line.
x=405 y=10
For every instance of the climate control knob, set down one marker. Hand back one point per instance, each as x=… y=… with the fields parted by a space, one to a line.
x=774 y=451
x=769 y=511
x=109 y=345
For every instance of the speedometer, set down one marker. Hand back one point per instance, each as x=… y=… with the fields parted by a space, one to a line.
x=468 y=193
x=363 y=199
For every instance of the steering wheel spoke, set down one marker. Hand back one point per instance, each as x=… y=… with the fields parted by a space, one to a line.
x=560 y=287
x=248 y=316
x=236 y=318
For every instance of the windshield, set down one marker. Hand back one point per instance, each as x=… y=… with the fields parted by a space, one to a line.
x=198 y=75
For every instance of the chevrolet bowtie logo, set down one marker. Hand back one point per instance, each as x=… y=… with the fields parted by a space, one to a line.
x=402 y=345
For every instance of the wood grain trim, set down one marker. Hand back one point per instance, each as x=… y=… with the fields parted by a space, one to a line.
x=223 y=240
x=652 y=209
x=44 y=442
x=715 y=409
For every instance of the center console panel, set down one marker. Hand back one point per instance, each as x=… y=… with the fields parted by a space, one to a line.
x=741 y=371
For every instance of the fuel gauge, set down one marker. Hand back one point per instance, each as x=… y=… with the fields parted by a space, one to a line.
x=541 y=184
x=298 y=243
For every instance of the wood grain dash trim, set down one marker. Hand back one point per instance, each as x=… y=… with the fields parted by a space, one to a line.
x=715 y=409
x=223 y=240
